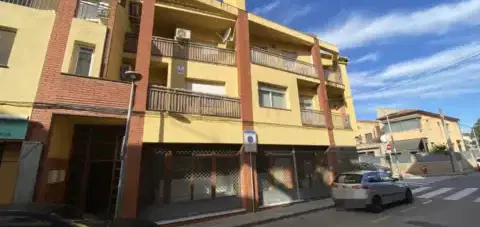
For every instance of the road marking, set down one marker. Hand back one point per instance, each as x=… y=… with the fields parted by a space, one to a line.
x=405 y=210
x=461 y=194
x=421 y=189
x=477 y=200
x=427 y=202
x=381 y=219
x=435 y=193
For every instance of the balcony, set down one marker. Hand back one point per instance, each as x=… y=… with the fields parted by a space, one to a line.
x=36 y=4
x=276 y=61
x=188 y=102
x=341 y=121
x=333 y=77
x=184 y=50
x=313 y=117
x=92 y=10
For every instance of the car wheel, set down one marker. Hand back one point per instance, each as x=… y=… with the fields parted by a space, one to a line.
x=408 y=197
x=377 y=205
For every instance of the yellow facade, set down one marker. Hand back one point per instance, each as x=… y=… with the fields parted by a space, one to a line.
x=8 y=172
x=116 y=46
x=85 y=33
x=19 y=82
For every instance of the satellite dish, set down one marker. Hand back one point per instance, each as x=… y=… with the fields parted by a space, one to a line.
x=383 y=138
x=226 y=35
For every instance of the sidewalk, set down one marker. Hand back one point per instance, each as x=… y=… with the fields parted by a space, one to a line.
x=269 y=215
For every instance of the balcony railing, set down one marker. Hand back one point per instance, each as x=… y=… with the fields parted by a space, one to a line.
x=341 y=121
x=36 y=4
x=265 y=58
x=183 y=101
x=93 y=10
x=313 y=117
x=333 y=75
x=184 y=50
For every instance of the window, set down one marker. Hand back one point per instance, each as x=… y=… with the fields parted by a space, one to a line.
x=369 y=137
x=270 y=96
x=402 y=126
x=205 y=87
x=349 y=179
x=6 y=44
x=83 y=62
x=306 y=102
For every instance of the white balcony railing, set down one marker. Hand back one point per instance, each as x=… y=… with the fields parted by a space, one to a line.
x=36 y=4
x=313 y=117
x=341 y=121
x=265 y=58
x=333 y=75
x=92 y=10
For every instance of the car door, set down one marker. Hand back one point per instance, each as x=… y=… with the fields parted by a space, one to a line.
x=395 y=189
x=376 y=186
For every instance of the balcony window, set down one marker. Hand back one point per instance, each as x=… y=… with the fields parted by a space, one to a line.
x=205 y=87
x=83 y=63
x=6 y=44
x=306 y=102
x=369 y=137
x=272 y=97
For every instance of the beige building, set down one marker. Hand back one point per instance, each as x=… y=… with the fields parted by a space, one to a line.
x=412 y=130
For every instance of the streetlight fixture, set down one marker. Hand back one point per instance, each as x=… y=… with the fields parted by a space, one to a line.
x=131 y=77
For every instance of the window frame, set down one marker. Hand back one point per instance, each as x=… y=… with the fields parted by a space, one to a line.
x=272 y=89
x=305 y=98
x=14 y=32
x=78 y=49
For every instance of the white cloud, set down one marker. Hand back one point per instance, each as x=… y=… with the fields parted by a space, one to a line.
x=373 y=57
x=361 y=79
x=267 y=8
x=298 y=12
x=359 y=30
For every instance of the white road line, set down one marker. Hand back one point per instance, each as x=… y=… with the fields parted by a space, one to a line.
x=435 y=193
x=427 y=202
x=461 y=194
x=421 y=189
x=477 y=200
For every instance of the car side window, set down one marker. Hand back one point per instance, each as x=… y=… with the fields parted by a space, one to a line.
x=385 y=178
x=23 y=221
x=373 y=178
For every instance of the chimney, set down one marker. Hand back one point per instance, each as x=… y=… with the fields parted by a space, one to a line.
x=241 y=4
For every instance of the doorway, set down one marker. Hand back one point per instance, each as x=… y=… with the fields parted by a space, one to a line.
x=94 y=169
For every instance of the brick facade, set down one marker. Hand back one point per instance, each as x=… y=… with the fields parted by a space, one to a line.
x=323 y=100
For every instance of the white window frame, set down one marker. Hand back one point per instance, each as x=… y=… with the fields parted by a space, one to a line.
x=271 y=90
x=78 y=49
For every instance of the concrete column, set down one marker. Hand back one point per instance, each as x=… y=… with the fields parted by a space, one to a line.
x=249 y=188
x=323 y=100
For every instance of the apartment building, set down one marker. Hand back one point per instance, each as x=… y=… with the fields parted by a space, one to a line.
x=412 y=130
x=210 y=71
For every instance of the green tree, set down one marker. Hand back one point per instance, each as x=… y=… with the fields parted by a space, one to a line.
x=476 y=127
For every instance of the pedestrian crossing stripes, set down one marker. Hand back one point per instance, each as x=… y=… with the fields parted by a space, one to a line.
x=477 y=200
x=421 y=189
x=435 y=193
x=461 y=194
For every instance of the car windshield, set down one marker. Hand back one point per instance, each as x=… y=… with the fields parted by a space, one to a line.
x=349 y=179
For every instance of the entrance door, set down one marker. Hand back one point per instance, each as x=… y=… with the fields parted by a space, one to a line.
x=94 y=168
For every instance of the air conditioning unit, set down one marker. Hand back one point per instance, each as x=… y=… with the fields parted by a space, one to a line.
x=124 y=68
x=182 y=34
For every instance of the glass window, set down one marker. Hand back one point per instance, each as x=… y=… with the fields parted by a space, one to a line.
x=306 y=102
x=369 y=137
x=271 y=97
x=84 y=61
x=373 y=178
x=385 y=177
x=349 y=179
x=402 y=126
x=6 y=44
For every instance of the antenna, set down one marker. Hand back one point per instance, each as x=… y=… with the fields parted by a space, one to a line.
x=226 y=35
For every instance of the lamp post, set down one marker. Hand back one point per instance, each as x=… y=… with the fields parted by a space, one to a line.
x=132 y=77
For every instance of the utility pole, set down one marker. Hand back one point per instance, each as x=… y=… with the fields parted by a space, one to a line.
x=393 y=148
x=453 y=158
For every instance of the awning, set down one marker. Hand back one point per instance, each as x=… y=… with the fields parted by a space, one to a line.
x=13 y=127
x=409 y=145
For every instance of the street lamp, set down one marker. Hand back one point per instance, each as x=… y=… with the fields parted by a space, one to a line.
x=131 y=77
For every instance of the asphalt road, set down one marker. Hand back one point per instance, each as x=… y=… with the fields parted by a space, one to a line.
x=452 y=202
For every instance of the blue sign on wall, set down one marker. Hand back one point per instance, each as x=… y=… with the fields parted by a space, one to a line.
x=13 y=129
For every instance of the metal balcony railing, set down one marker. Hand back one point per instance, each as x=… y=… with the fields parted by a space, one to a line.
x=265 y=58
x=333 y=75
x=91 y=10
x=183 y=101
x=313 y=117
x=184 y=50
x=341 y=121
x=36 y=4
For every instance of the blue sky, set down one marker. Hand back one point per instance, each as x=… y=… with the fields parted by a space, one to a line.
x=407 y=54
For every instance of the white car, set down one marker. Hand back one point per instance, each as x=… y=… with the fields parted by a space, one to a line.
x=369 y=189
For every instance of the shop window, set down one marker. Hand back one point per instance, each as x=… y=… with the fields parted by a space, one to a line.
x=6 y=43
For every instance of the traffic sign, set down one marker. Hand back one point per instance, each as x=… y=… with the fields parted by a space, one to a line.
x=249 y=141
x=389 y=147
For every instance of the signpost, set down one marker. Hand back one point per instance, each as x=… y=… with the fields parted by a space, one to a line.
x=250 y=146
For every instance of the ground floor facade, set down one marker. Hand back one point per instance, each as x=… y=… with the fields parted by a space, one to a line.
x=75 y=159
